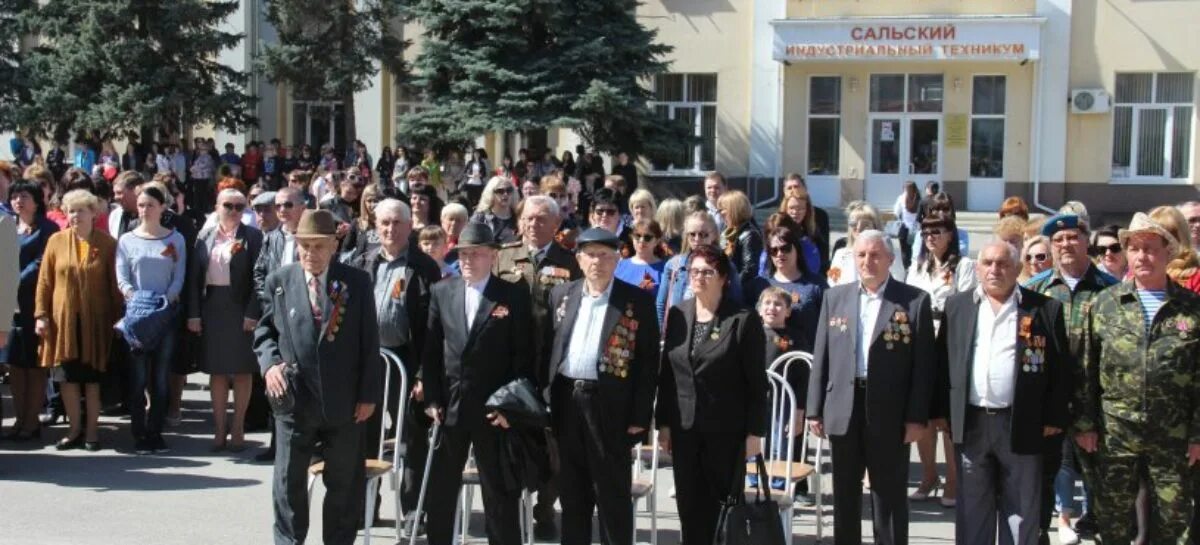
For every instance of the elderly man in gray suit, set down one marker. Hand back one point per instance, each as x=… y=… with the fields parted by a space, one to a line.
x=318 y=347
x=871 y=388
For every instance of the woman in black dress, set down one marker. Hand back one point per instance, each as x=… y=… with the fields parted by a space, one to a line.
x=712 y=410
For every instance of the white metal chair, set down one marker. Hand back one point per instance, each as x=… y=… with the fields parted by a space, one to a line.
x=466 y=494
x=643 y=487
x=783 y=366
x=779 y=448
x=378 y=466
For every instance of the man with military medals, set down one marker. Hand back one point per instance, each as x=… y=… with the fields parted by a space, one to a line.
x=1004 y=382
x=601 y=364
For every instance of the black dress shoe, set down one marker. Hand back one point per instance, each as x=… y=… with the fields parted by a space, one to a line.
x=67 y=443
x=91 y=446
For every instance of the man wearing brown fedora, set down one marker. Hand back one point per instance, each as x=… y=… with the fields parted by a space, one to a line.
x=318 y=347
x=479 y=340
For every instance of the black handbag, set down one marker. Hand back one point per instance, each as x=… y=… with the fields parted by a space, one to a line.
x=754 y=523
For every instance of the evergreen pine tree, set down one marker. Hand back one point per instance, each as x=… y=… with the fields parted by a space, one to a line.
x=107 y=67
x=330 y=49
x=490 y=65
x=484 y=65
x=10 y=59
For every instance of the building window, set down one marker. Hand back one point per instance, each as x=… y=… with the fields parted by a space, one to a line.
x=407 y=101
x=987 y=126
x=691 y=98
x=907 y=92
x=1152 y=126
x=824 y=125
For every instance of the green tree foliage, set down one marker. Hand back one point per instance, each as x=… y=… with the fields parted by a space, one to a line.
x=490 y=65
x=330 y=49
x=10 y=59
x=106 y=67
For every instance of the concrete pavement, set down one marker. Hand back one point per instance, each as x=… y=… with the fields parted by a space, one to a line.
x=190 y=496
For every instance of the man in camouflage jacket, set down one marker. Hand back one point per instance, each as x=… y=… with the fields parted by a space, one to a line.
x=1139 y=405
x=1074 y=281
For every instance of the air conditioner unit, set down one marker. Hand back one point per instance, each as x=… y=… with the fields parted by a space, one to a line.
x=1090 y=101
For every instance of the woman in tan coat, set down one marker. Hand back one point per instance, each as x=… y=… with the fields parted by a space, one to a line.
x=77 y=304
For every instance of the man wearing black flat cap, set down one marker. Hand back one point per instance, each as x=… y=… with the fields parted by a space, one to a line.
x=478 y=340
x=600 y=366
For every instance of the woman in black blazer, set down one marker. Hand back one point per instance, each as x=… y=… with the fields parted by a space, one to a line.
x=713 y=404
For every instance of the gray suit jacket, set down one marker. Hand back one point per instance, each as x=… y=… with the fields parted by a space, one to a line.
x=241 y=270
x=9 y=271
x=341 y=368
x=900 y=374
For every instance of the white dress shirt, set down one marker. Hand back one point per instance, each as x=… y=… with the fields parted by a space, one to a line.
x=868 y=311
x=289 y=248
x=474 y=296
x=583 y=352
x=993 y=371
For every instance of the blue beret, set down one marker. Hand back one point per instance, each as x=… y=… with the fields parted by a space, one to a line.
x=1062 y=221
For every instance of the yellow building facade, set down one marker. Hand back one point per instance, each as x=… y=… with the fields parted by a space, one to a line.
x=1048 y=99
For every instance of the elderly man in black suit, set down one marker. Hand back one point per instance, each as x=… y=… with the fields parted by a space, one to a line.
x=479 y=339
x=601 y=367
x=318 y=346
x=1004 y=382
x=871 y=388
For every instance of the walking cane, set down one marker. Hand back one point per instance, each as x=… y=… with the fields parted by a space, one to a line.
x=433 y=441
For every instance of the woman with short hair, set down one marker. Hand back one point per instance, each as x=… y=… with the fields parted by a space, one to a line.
x=26 y=377
x=670 y=216
x=1035 y=257
x=223 y=309
x=77 y=304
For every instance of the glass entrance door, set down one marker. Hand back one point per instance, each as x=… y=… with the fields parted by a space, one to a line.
x=903 y=147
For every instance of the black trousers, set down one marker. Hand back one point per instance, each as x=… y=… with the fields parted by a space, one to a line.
x=593 y=474
x=1052 y=457
x=501 y=506
x=297 y=436
x=887 y=465
x=708 y=467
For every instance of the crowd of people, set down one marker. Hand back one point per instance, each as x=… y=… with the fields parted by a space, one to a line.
x=1061 y=352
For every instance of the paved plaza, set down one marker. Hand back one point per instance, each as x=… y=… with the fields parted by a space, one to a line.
x=190 y=496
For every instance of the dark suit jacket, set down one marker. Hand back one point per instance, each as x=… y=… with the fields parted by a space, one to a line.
x=461 y=368
x=421 y=274
x=241 y=270
x=900 y=375
x=722 y=387
x=1041 y=393
x=343 y=371
x=626 y=399
x=269 y=260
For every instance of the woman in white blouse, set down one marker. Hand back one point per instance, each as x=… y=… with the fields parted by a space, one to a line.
x=941 y=272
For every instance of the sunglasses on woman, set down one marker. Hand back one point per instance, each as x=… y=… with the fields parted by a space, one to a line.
x=644 y=237
x=1035 y=258
x=777 y=250
x=502 y=190
x=1114 y=248
x=237 y=207
x=932 y=233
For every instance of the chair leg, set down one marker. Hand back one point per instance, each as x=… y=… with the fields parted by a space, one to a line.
x=652 y=504
x=468 y=502
x=369 y=515
x=458 y=518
